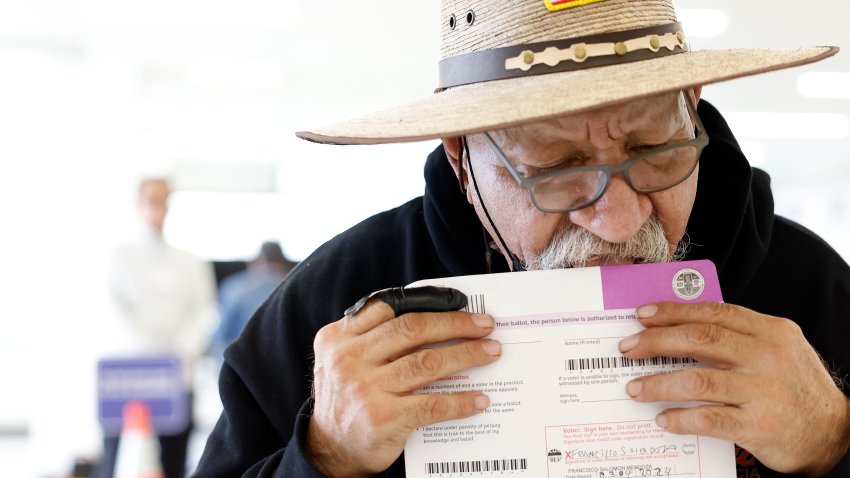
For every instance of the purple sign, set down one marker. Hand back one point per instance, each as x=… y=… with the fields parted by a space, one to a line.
x=157 y=381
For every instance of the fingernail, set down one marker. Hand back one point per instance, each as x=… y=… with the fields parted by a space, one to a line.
x=661 y=421
x=481 y=402
x=484 y=321
x=647 y=311
x=634 y=387
x=628 y=343
x=492 y=347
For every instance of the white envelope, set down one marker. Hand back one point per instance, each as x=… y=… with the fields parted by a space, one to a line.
x=558 y=402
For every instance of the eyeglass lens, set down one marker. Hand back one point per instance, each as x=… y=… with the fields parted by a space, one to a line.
x=655 y=172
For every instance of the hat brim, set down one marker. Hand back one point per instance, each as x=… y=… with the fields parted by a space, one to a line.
x=501 y=104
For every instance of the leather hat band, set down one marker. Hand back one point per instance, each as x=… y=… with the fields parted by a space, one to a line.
x=563 y=55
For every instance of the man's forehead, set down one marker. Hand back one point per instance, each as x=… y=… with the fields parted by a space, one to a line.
x=633 y=116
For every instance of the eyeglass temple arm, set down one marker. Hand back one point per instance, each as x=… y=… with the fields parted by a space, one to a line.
x=702 y=135
x=503 y=158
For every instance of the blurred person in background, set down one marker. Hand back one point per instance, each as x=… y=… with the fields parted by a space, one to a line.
x=240 y=294
x=165 y=299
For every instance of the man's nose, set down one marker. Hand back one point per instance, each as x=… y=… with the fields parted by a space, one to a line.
x=618 y=215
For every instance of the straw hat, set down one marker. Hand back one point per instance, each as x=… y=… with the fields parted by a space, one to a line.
x=506 y=63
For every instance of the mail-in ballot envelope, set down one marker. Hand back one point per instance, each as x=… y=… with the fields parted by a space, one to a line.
x=558 y=402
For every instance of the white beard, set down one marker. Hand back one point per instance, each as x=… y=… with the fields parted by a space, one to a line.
x=577 y=247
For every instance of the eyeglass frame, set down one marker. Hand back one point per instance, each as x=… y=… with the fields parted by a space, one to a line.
x=699 y=141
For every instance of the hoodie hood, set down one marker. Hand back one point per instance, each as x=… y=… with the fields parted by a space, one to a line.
x=459 y=238
x=732 y=219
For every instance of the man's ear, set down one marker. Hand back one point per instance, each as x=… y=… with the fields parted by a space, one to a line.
x=454 y=151
x=453 y=147
x=696 y=93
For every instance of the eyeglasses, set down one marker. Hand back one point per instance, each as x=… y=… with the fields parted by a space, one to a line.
x=570 y=189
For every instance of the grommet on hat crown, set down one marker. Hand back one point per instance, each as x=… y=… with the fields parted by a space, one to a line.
x=499 y=23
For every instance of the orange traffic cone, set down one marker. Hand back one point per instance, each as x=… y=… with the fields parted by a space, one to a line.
x=138 y=449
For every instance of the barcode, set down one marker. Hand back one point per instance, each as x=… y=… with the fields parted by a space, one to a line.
x=623 y=362
x=475 y=304
x=472 y=466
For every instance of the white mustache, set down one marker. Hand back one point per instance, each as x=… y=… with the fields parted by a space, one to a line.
x=577 y=247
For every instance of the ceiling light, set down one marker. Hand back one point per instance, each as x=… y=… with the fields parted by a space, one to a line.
x=789 y=125
x=822 y=84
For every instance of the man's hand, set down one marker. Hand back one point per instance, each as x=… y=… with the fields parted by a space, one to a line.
x=773 y=395
x=368 y=365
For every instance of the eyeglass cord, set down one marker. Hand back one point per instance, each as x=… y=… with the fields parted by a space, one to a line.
x=516 y=265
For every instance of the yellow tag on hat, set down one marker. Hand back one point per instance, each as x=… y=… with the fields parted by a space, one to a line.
x=555 y=5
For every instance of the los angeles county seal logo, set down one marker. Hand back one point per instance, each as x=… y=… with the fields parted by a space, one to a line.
x=688 y=284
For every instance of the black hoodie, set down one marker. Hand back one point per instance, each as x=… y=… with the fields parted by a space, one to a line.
x=765 y=262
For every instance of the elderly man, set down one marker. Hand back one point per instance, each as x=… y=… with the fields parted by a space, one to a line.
x=571 y=137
